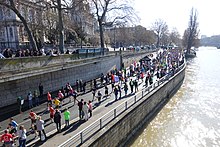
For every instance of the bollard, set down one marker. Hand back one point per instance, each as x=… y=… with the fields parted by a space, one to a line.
x=126 y=105
x=100 y=123
x=135 y=99
x=81 y=137
x=114 y=113
x=142 y=93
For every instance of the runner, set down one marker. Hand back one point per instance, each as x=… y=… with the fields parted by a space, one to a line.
x=7 y=139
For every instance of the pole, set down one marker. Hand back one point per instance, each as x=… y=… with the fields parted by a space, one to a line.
x=114 y=37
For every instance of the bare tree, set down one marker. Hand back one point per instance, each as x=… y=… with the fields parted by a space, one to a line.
x=190 y=37
x=12 y=5
x=161 y=29
x=175 y=37
x=116 y=8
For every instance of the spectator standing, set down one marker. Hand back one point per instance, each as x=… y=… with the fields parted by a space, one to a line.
x=80 y=85
x=22 y=136
x=80 y=105
x=41 y=89
x=30 y=100
x=93 y=93
x=99 y=96
x=67 y=117
x=85 y=110
x=90 y=108
x=36 y=97
x=116 y=93
x=40 y=127
x=136 y=85
x=106 y=91
x=126 y=89
x=57 y=120
x=84 y=87
x=77 y=85
x=131 y=83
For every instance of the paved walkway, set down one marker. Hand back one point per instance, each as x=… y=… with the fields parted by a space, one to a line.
x=54 y=138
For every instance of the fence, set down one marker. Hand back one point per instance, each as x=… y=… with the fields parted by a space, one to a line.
x=89 y=131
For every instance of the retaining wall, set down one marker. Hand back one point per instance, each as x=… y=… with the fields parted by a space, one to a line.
x=18 y=76
x=53 y=80
x=121 y=129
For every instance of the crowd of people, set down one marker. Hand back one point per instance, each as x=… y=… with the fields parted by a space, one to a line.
x=9 y=53
x=164 y=64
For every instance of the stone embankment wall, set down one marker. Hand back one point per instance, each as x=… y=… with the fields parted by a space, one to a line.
x=54 y=79
x=18 y=76
x=120 y=130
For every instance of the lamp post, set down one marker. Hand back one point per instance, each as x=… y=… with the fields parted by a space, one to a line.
x=114 y=37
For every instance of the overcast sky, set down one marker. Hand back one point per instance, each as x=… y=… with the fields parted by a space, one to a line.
x=176 y=14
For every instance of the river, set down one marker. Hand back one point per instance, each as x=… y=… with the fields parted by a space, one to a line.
x=192 y=116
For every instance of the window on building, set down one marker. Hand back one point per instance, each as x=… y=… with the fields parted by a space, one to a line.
x=1 y=13
x=8 y=13
x=11 y=32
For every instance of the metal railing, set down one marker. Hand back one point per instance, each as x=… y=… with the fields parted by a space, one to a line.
x=96 y=126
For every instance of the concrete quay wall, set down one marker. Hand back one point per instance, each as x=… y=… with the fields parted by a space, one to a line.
x=53 y=80
x=119 y=131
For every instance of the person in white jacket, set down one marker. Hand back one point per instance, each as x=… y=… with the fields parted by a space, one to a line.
x=22 y=136
x=85 y=110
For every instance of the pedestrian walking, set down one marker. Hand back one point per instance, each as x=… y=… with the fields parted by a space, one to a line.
x=60 y=97
x=40 y=128
x=66 y=117
x=85 y=110
x=22 y=136
x=52 y=112
x=49 y=98
x=90 y=108
x=56 y=103
x=14 y=124
x=33 y=117
x=57 y=120
x=30 y=98
x=93 y=93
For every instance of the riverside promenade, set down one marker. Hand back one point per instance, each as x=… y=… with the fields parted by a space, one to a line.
x=76 y=125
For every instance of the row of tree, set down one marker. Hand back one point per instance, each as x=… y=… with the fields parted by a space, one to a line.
x=57 y=14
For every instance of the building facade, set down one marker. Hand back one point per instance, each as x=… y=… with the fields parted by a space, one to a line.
x=14 y=36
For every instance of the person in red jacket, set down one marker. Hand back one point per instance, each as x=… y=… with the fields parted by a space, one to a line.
x=49 y=98
x=7 y=139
